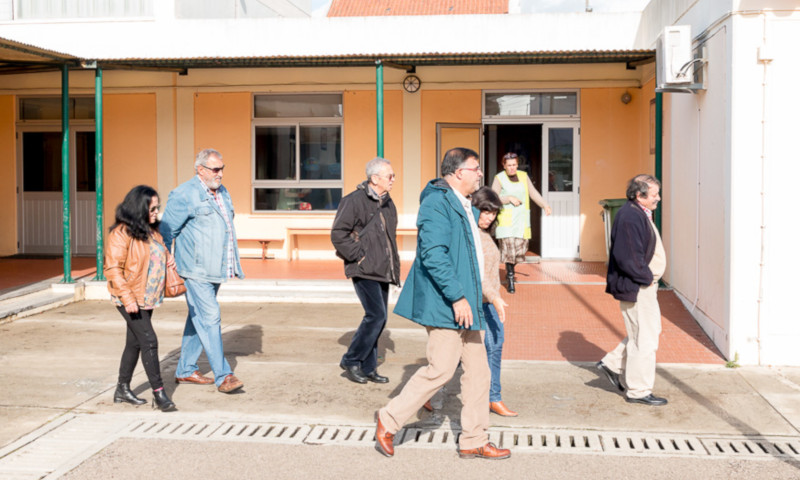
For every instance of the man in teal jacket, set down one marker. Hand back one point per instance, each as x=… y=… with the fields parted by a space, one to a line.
x=443 y=294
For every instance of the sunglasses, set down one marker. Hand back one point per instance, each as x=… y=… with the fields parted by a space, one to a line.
x=215 y=169
x=155 y=209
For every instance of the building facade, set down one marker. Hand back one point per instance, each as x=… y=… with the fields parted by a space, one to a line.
x=292 y=104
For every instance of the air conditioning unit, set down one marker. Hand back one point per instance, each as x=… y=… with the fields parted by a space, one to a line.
x=674 y=59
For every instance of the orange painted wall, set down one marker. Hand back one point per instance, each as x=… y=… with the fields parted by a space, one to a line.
x=8 y=162
x=444 y=106
x=222 y=122
x=614 y=148
x=360 y=137
x=129 y=145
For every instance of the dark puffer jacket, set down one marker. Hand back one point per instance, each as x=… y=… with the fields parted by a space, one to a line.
x=364 y=235
x=633 y=243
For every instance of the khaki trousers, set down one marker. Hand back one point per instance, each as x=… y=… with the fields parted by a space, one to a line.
x=635 y=356
x=445 y=348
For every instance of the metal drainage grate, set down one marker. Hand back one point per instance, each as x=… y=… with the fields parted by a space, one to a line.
x=185 y=430
x=261 y=432
x=221 y=431
x=524 y=440
x=340 y=435
x=426 y=438
x=647 y=444
x=753 y=446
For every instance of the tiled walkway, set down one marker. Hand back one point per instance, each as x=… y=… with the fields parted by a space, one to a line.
x=559 y=313
x=17 y=272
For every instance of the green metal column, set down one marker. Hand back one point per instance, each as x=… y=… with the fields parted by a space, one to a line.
x=65 y=183
x=98 y=167
x=379 y=102
x=658 y=172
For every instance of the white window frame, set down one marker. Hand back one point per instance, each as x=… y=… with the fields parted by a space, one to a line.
x=527 y=118
x=295 y=122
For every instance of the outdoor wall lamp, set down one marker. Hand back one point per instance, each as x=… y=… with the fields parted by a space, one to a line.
x=625 y=98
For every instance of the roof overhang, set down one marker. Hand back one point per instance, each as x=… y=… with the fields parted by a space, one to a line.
x=17 y=57
x=340 y=42
x=632 y=59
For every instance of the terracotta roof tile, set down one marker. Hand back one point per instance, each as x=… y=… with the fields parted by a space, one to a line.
x=376 y=8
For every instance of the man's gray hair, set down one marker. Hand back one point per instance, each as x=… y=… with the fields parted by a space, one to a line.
x=202 y=157
x=455 y=158
x=639 y=186
x=375 y=166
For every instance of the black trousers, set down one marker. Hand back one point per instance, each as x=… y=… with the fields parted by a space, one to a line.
x=141 y=339
x=363 y=349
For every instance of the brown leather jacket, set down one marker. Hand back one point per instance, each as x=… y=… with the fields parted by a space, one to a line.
x=126 y=263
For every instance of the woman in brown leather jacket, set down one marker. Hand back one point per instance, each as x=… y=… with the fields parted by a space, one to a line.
x=135 y=266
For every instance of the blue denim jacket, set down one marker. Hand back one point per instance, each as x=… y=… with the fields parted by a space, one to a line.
x=195 y=222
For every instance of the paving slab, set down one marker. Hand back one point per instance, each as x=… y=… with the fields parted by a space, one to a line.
x=64 y=362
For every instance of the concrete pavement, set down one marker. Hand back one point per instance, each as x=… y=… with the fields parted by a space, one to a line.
x=59 y=369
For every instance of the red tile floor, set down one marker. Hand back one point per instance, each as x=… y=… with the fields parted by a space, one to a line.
x=559 y=313
x=17 y=272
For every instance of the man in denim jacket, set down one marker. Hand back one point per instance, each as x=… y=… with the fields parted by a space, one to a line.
x=199 y=217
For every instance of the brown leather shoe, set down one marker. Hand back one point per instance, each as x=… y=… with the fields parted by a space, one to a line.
x=230 y=384
x=384 y=441
x=195 y=378
x=488 y=451
x=428 y=406
x=501 y=409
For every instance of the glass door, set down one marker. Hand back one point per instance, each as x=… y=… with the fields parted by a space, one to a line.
x=561 y=189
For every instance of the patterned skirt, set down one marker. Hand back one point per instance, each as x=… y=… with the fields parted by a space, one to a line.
x=513 y=250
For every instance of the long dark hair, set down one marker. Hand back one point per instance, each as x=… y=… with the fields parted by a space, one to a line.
x=134 y=212
x=486 y=200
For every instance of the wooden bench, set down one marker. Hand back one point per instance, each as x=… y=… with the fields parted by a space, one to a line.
x=293 y=232
x=264 y=245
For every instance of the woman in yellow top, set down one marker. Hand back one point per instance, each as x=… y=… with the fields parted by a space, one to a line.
x=514 y=221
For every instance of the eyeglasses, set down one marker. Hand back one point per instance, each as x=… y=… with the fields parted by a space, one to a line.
x=155 y=209
x=215 y=169
x=474 y=169
x=388 y=177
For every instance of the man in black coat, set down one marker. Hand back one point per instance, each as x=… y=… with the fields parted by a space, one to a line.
x=635 y=265
x=364 y=235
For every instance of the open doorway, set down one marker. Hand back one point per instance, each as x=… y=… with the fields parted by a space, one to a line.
x=526 y=142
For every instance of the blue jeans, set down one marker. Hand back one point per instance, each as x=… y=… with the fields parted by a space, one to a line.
x=363 y=349
x=494 y=338
x=202 y=331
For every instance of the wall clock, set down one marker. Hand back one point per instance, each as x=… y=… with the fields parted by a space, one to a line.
x=411 y=83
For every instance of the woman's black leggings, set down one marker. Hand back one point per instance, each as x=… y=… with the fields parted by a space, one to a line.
x=141 y=338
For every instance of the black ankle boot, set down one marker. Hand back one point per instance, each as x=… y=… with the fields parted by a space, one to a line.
x=510 y=277
x=162 y=402
x=123 y=393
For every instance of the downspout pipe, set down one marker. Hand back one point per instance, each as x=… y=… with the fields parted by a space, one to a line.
x=65 y=183
x=659 y=159
x=98 y=168
x=379 y=104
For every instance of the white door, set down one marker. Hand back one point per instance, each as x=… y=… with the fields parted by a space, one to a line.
x=561 y=189
x=41 y=206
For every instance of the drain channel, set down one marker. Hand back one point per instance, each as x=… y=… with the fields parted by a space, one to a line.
x=56 y=448
x=446 y=437
x=753 y=446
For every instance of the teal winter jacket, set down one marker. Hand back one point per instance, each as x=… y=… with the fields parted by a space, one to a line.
x=446 y=267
